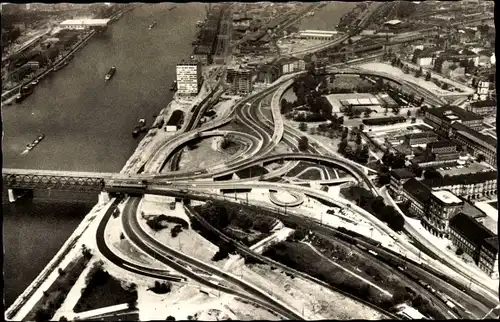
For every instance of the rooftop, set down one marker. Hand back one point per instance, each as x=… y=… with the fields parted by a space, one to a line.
x=462 y=114
x=492 y=243
x=446 y=197
x=418 y=190
x=469 y=178
x=421 y=135
x=486 y=103
x=441 y=144
x=473 y=231
x=402 y=173
x=88 y=22
x=318 y=32
x=474 y=135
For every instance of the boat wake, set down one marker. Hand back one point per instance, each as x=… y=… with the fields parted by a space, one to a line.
x=24 y=152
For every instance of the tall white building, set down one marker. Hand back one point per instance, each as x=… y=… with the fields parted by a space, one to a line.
x=188 y=78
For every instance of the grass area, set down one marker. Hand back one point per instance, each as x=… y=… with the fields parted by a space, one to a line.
x=311 y=174
x=119 y=317
x=160 y=222
x=361 y=263
x=243 y=224
x=348 y=82
x=104 y=290
x=254 y=171
x=53 y=298
x=301 y=257
x=299 y=168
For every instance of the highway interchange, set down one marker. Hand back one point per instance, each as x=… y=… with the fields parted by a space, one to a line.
x=263 y=134
x=250 y=123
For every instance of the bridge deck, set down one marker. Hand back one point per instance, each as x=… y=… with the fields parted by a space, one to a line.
x=55 y=173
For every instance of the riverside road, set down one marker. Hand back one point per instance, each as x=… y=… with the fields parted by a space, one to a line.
x=88 y=123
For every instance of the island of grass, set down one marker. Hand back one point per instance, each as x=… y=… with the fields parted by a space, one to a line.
x=242 y=224
x=103 y=290
x=160 y=222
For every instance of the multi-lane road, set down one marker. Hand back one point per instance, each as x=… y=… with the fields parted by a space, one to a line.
x=267 y=133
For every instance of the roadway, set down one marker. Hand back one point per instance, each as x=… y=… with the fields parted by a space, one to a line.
x=178 y=261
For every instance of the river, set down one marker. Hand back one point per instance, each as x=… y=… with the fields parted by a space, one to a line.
x=88 y=124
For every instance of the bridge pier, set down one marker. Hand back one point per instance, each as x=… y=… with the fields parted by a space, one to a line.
x=12 y=195
x=103 y=198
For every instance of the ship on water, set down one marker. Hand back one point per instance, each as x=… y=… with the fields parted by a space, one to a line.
x=110 y=74
x=151 y=26
x=24 y=92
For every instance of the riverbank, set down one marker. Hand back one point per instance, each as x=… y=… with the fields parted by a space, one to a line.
x=49 y=273
x=10 y=95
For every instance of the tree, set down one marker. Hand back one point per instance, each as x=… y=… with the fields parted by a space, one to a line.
x=303 y=126
x=406 y=69
x=368 y=112
x=428 y=76
x=408 y=114
x=170 y=318
x=342 y=146
x=419 y=72
x=303 y=143
x=358 y=138
x=459 y=251
x=414 y=120
x=432 y=173
x=480 y=158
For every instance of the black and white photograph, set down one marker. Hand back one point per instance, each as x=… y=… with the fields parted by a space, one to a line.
x=209 y=161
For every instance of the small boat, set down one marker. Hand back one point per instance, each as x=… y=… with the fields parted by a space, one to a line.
x=142 y=122
x=135 y=133
x=110 y=73
x=31 y=145
x=151 y=26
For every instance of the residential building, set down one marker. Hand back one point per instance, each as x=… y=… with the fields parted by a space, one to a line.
x=292 y=65
x=416 y=194
x=240 y=80
x=442 y=147
x=484 y=108
x=442 y=206
x=398 y=179
x=421 y=138
x=476 y=241
x=470 y=186
x=477 y=143
x=442 y=118
x=188 y=78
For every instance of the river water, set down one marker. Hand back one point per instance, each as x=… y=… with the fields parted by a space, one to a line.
x=88 y=124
